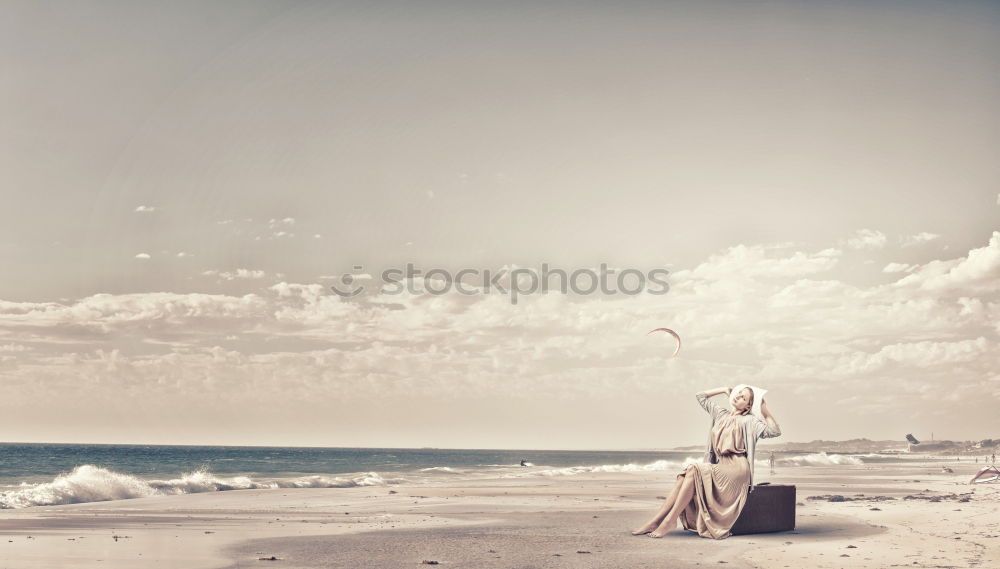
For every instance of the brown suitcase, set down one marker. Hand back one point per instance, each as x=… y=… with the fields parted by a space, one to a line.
x=769 y=508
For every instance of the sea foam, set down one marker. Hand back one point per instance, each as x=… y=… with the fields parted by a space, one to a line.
x=820 y=459
x=89 y=483
x=657 y=466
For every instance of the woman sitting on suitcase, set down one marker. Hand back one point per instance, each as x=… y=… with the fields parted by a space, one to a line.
x=709 y=497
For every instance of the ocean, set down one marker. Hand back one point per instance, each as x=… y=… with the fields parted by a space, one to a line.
x=50 y=474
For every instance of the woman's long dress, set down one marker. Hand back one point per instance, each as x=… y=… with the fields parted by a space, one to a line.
x=720 y=490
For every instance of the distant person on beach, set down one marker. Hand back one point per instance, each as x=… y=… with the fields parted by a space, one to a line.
x=708 y=497
x=993 y=458
x=770 y=461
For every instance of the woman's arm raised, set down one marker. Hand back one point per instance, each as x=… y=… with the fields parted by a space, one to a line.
x=709 y=405
x=770 y=425
x=718 y=390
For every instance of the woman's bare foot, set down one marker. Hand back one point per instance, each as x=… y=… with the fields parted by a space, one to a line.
x=645 y=529
x=661 y=530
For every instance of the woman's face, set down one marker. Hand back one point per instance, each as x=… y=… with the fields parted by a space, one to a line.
x=743 y=400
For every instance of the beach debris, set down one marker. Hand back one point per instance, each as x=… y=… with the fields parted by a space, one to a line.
x=839 y=498
x=393 y=492
x=583 y=552
x=874 y=509
x=672 y=333
x=429 y=562
x=271 y=558
x=852 y=547
x=117 y=537
x=952 y=496
x=986 y=474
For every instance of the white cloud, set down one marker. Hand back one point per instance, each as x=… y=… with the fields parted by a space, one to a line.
x=978 y=271
x=183 y=254
x=238 y=274
x=917 y=355
x=742 y=261
x=922 y=237
x=898 y=268
x=142 y=256
x=866 y=239
x=777 y=317
x=145 y=209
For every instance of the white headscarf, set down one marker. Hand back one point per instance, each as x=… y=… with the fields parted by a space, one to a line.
x=758 y=398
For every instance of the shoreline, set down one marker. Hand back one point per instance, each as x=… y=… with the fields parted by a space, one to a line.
x=504 y=522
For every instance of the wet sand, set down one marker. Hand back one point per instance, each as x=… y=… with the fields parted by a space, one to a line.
x=534 y=521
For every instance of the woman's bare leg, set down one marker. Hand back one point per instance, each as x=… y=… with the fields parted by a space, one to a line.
x=686 y=492
x=665 y=509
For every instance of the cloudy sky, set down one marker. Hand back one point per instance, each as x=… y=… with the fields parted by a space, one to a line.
x=183 y=182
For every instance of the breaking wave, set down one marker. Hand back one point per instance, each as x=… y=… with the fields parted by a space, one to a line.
x=446 y=469
x=657 y=466
x=89 y=483
x=821 y=459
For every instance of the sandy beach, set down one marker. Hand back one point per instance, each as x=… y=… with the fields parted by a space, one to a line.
x=911 y=515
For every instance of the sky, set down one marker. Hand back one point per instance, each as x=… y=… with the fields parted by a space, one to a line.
x=184 y=184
